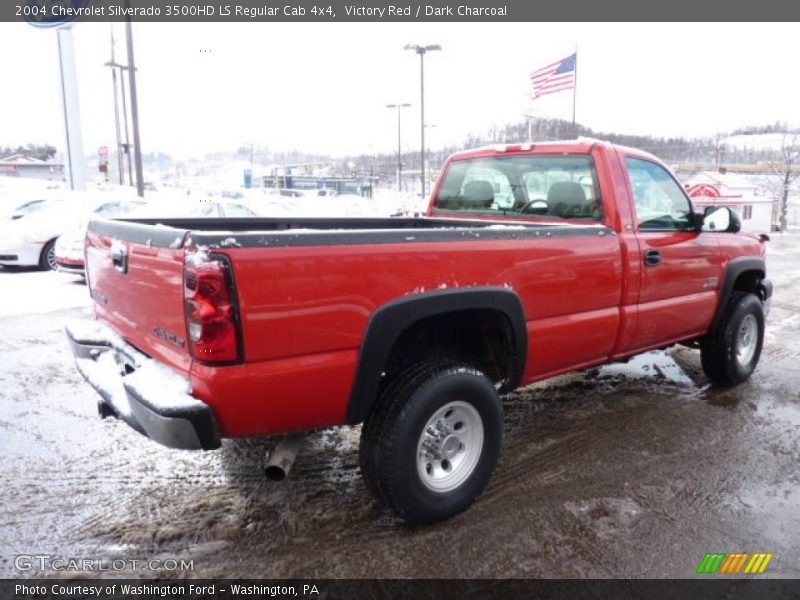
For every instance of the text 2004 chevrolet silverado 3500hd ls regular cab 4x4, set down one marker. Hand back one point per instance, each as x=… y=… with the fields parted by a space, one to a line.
x=531 y=261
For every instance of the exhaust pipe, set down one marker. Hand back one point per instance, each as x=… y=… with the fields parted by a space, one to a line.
x=282 y=457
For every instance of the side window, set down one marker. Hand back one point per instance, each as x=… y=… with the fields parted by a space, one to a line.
x=109 y=208
x=660 y=202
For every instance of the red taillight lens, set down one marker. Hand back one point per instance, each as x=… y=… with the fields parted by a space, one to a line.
x=210 y=311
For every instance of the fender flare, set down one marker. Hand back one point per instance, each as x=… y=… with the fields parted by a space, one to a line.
x=389 y=321
x=736 y=267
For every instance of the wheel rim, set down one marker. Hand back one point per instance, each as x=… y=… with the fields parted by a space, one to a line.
x=450 y=446
x=51 y=257
x=746 y=340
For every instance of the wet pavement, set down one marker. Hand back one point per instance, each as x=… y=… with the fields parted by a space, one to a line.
x=632 y=471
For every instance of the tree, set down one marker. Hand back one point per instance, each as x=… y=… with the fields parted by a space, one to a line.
x=786 y=169
x=42 y=152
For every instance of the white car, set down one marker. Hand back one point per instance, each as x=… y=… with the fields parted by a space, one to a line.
x=28 y=236
x=70 y=246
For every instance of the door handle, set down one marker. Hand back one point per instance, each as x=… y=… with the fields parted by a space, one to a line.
x=652 y=258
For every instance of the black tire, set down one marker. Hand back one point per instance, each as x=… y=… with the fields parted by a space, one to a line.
x=719 y=350
x=401 y=384
x=47 y=259
x=392 y=434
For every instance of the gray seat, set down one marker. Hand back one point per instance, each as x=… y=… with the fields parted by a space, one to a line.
x=477 y=195
x=567 y=199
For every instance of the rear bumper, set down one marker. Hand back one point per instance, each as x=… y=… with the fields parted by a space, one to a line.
x=152 y=399
x=69 y=266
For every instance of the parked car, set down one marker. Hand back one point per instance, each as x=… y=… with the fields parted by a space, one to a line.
x=69 y=247
x=414 y=327
x=28 y=236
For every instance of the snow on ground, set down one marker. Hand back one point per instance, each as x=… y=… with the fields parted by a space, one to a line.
x=605 y=466
x=26 y=292
x=651 y=364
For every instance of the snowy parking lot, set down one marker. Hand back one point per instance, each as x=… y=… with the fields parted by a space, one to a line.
x=631 y=470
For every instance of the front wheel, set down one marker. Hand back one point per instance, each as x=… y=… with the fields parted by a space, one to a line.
x=429 y=448
x=730 y=353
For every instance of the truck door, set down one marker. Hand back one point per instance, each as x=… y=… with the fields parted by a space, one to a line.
x=681 y=267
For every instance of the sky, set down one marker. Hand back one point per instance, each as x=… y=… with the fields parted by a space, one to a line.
x=323 y=87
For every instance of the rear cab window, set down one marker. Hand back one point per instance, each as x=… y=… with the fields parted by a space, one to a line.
x=536 y=186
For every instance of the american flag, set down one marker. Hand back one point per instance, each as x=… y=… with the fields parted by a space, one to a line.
x=555 y=78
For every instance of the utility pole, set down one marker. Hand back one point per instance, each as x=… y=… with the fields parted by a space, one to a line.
x=399 y=107
x=113 y=65
x=422 y=50
x=137 y=150
x=127 y=146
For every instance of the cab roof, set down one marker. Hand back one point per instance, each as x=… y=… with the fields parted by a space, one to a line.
x=582 y=145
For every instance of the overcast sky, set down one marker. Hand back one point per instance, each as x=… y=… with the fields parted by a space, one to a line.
x=324 y=87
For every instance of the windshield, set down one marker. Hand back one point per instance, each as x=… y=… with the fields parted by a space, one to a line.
x=562 y=187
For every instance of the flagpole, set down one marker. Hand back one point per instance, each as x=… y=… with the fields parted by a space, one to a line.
x=574 y=94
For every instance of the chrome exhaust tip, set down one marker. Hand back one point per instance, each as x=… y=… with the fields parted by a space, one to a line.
x=282 y=458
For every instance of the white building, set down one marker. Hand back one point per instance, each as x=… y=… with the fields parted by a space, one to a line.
x=18 y=165
x=710 y=188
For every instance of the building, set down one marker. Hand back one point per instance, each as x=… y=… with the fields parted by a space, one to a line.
x=19 y=165
x=711 y=188
x=355 y=185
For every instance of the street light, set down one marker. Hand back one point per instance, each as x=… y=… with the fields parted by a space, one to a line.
x=422 y=51
x=399 y=107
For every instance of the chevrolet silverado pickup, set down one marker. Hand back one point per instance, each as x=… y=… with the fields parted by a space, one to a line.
x=531 y=261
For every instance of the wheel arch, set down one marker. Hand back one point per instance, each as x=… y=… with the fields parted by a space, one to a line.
x=744 y=273
x=389 y=323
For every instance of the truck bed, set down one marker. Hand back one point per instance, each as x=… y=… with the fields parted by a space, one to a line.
x=307 y=288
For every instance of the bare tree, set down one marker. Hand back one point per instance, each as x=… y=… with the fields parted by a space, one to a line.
x=786 y=168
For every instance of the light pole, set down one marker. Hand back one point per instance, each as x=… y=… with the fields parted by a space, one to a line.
x=422 y=51
x=399 y=107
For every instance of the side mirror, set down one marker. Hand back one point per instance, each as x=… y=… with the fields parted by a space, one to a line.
x=721 y=218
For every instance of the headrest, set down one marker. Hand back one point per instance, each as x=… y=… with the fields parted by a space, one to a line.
x=567 y=192
x=477 y=194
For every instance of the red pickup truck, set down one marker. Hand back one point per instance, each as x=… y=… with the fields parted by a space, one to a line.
x=532 y=260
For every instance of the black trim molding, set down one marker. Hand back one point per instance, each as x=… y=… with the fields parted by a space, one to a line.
x=736 y=267
x=392 y=319
x=271 y=233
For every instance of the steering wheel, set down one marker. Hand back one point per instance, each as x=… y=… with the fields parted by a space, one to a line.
x=534 y=207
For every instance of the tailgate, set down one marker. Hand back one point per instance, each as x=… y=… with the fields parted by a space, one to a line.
x=135 y=274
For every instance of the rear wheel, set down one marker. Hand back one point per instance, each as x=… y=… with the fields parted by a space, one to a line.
x=431 y=445
x=730 y=353
x=47 y=259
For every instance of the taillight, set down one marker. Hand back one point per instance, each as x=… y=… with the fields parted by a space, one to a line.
x=211 y=319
